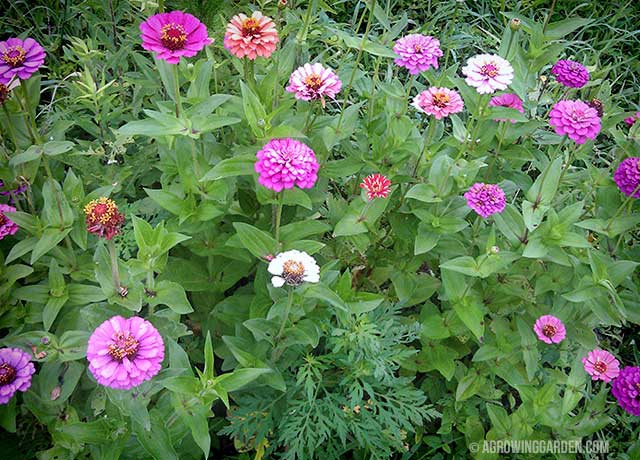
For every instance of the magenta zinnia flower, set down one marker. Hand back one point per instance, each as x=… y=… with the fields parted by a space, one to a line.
x=251 y=36
x=172 y=35
x=7 y=226
x=632 y=119
x=439 y=102
x=507 y=100
x=601 y=365
x=626 y=389
x=550 y=329
x=417 y=53
x=575 y=119
x=123 y=353
x=313 y=81
x=16 y=370
x=376 y=185
x=21 y=58
x=283 y=163
x=570 y=73
x=485 y=199
x=627 y=176
x=488 y=73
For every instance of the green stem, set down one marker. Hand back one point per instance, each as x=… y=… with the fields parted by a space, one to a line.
x=12 y=131
x=115 y=272
x=150 y=285
x=31 y=124
x=497 y=152
x=427 y=143
x=546 y=20
x=409 y=87
x=286 y=313
x=176 y=77
x=278 y=218
x=624 y=205
x=302 y=35
x=47 y=169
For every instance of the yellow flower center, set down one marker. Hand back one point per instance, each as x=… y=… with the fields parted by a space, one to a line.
x=440 y=100
x=14 y=56
x=489 y=70
x=124 y=346
x=293 y=272
x=313 y=81
x=250 y=27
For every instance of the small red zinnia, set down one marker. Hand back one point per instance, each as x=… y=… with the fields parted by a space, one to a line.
x=376 y=185
x=103 y=218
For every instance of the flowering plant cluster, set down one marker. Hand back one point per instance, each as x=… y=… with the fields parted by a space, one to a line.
x=284 y=237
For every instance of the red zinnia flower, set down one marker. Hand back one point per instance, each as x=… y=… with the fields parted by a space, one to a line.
x=376 y=185
x=103 y=217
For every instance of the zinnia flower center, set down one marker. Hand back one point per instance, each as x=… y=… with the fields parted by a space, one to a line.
x=577 y=115
x=14 y=56
x=124 y=346
x=549 y=330
x=417 y=48
x=7 y=374
x=600 y=367
x=173 y=36
x=489 y=70
x=313 y=81
x=250 y=27
x=3 y=219
x=440 y=100
x=293 y=272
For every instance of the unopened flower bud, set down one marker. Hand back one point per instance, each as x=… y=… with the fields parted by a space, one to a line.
x=514 y=24
x=495 y=250
x=282 y=4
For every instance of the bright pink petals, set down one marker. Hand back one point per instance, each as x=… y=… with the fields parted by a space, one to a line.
x=7 y=226
x=439 y=102
x=550 y=329
x=627 y=176
x=571 y=74
x=16 y=371
x=575 y=119
x=285 y=163
x=251 y=36
x=417 y=53
x=376 y=185
x=485 y=199
x=20 y=58
x=507 y=100
x=601 y=365
x=626 y=389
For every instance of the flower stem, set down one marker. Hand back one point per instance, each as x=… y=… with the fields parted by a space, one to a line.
x=176 y=76
x=427 y=142
x=278 y=216
x=497 y=152
x=302 y=35
x=12 y=132
x=622 y=206
x=31 y=124
x=150 y=286
x=286 y=313
x=115 y=273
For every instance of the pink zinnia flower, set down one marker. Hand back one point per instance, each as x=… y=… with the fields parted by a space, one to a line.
x=16 y=370
x=20 y=58
x=417 y=53
x=575 y=119
x=376 y=185
x=313 y=81
x=488 y=73
x=251 y=36
x=601 y=365
x=570 y=73
x=550 y=329
x=123 y=353
x=627 y=176
x=626 y=389
x=7 y=226
x=632 y=119
x=283 y=163
x=485 y=199
x=172 y=35
x=507 y=100
x=439 y=102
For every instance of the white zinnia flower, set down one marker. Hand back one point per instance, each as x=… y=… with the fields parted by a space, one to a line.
x=293 y=268
x=488 y=73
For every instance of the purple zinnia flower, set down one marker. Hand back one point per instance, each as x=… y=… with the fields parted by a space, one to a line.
x=283 y=163
x=630 y=121
x=175 y=34
x=21 y=58
x=507 y=100
x=417 y=53
x=575 y=119
x=488 y=73
x=570 y=73
x=123 y=353
x=550 y=329
x=485 y=199
x=314 y=81
x=627 y=176
x=16 y=370
x=7 y=226
x=626 y=389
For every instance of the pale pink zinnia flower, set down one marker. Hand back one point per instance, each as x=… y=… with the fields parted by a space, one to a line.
x=439 y=102
x=251 y=36
x=488 y=73
x=175 y=34
x=376 y=185
x=507 y=100
x=285 y=163
x=601 y=365
x=314 y=81
x=417 y=53
x=550 y=329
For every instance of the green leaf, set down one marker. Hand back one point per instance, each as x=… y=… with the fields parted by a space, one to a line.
x=471 y=315
x=156 y=441
x=167 y=200
x=544 y=188
x=321 y=292
x=172 y=295
x=468 y=385
x=21 y=248
x=466 y=265
x=239 y=378
x=51 y=310
x=258 y=242
x=49 y=240
x=242 y=165
x=32 y=153
x=73 y=345
x=54 y=148
x=253 y=110
x=529 y=349
x=560 y=29
x=423 y=192
x=209 y=359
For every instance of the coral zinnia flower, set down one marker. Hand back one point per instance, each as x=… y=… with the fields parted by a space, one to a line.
x=571 y=74
x=123 y=353
x=507 y=100
x=417 y=53
x=439 y=102
x=16 y=370
x=313 y=81
x=175 y=34
x=251 y=36
x=21 y=58
x=627 y=176
x=601 y=365
x=103 y=218
x=488 y=73
x=293 y=268
x=485 y=199
x=550 y=329
x=626 y=389
x=575 y=119
x=7 y=226
x=283 y=163
x=376 y=185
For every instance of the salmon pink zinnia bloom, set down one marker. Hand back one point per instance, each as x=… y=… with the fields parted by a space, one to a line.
x=626 y=389
x=172 y=35
x=507 y=100
x=251 y=36
x=550 y=329
x=575 y=119
x=16 y=370
x=488 y=73
x=20 y=58
x=284 y=163
x=439 y=102
x=314 y=81
x=103 y=218
x=485 y=199
x=123 y=353
x=417 y=53
x=376 y=185
x=601 y=365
